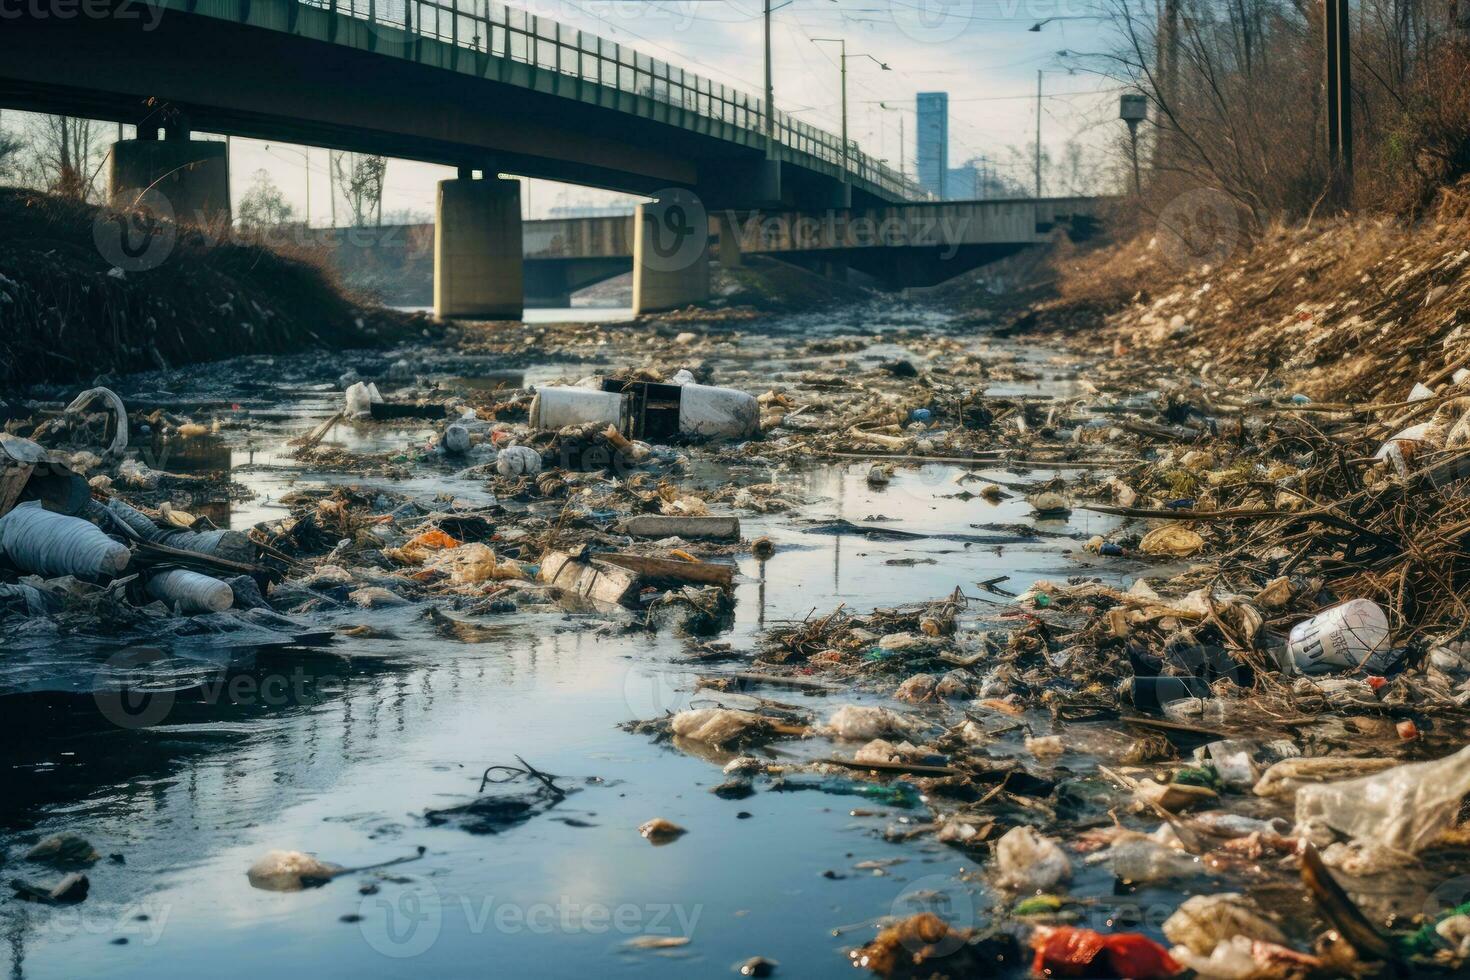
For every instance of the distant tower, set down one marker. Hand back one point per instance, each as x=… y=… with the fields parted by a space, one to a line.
x=933 y=141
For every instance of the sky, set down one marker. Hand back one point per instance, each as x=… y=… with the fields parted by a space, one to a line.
x=979 y=51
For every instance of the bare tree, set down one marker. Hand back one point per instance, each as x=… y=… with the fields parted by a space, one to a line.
x=65 y=156
x=360 y=180
x=11 y=148
x=263 y=206
x=1237 y=104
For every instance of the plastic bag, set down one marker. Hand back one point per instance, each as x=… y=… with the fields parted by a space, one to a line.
x=1171 y=539
x=862 y=724
x=518 y=461
x=290 y=871
x=1395 y=814
x=1067 y=952
x=1029 y=861
x=1205 y=921
x=717 y=726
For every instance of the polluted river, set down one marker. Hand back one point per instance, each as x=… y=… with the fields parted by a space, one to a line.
x=957 y=695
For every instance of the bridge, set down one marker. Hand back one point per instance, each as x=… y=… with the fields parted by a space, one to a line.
x=917 y=244
x=474 y=84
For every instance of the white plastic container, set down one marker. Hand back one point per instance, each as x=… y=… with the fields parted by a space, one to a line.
x=47 y=544
x=709 y=412
x=555 y=407
x=191 y=592
x=1348 y=636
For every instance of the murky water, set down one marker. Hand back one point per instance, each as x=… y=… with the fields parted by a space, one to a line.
x=340 y=750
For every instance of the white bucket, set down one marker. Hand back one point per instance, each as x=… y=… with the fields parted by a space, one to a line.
x=1349 y=635
x=553 y=408
x=707 y=411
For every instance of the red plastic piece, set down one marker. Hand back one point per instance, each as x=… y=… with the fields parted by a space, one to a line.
x=1068 y=952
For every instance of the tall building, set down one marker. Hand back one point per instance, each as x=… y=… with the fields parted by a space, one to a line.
x=963 y=182
x=933 y=141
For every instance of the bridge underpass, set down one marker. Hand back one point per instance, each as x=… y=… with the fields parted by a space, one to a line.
x=901 y=245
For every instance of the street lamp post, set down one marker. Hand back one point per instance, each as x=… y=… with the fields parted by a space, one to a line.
x=903 y=170
x=1038 y=133
x=846 y=151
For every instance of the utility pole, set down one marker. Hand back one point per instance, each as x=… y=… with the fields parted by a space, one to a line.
x=844 y=109
x=1038 y=133
x=770 y=89
x=1337 y=31
x=843 y=63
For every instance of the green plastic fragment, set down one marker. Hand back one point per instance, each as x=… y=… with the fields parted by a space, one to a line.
x=1205 y=776
x=1038 y=905
x=1426 y=941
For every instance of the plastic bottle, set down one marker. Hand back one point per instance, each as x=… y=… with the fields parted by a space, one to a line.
x=1347 y=636
x=1152 y=693
x=1139 y=860
x=191 y=592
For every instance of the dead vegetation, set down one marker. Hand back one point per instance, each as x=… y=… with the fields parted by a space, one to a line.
x=67 y=313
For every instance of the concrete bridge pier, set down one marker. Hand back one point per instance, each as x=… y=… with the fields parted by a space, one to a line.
x=477 y=248
x=670 y=253
x=190 y=178
x=728 y=234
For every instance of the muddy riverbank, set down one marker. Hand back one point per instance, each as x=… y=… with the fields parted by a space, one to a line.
x=905 y=465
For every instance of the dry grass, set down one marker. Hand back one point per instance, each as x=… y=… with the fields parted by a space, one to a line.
x=1341 y=308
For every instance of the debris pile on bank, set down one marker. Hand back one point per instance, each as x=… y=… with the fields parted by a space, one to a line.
x=1342 y=308
x=69 y=310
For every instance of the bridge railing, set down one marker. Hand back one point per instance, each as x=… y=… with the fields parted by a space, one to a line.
x=518 y=35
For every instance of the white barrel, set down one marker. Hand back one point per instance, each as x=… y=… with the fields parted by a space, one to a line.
x=714 y=412
x=1349 y=635
x=190 y=591
x=555 y=407
x=38 y=541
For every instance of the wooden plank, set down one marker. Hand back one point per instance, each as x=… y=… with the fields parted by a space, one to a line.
x=663 y=526
x=700 y=572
